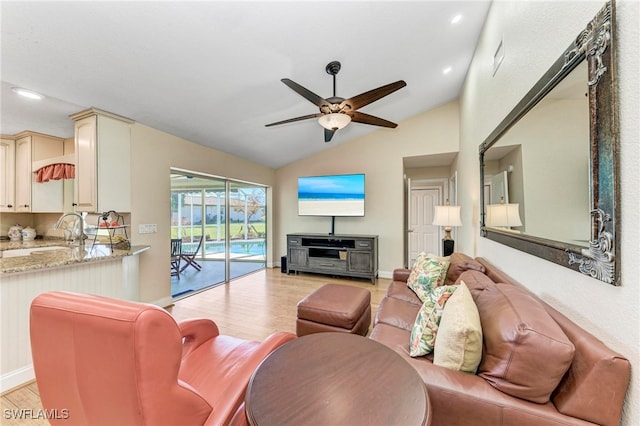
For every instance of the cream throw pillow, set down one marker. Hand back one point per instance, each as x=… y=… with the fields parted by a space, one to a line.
x=459 y=340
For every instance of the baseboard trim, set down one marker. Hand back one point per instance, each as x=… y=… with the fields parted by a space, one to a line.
x=17 y=378
x=164 y=302
x=385 y=274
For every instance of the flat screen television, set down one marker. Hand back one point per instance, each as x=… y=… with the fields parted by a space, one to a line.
x=334 y=195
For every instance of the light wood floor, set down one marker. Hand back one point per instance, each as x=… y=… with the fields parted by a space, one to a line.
x=251 y=307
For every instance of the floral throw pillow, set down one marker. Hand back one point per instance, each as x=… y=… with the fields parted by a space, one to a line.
x=428 y=272
x=423 y=334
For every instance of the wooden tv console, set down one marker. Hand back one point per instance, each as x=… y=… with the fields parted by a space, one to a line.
x=345 y=255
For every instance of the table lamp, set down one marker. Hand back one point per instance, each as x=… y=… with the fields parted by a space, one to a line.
x=503 y=215
x=447 y=216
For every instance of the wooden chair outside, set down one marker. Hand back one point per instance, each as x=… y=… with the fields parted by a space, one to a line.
x=176 y=256
x=189 y=257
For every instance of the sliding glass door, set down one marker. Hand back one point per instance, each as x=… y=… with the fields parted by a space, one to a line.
x=222 y=227
x=247 y=228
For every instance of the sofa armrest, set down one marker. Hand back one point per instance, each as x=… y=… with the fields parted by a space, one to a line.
x=401 y=274
x=195 y=332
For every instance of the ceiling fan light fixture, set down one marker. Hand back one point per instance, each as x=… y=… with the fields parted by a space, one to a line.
x=334 y=121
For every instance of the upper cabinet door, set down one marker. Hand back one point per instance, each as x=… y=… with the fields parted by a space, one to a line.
x=23 y=174
x=7 y=174
x=103 y=162
x=86 y=188
x=114 y=164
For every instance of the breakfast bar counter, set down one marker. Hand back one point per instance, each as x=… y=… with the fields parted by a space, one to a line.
x=52 y=253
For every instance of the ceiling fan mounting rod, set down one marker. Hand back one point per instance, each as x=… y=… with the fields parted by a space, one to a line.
x=333 y=68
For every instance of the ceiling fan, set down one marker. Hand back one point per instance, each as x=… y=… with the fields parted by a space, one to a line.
x=335 y=112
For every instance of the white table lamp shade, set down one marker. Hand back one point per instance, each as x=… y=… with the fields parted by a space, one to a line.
x=503 y=215
x=447 y=216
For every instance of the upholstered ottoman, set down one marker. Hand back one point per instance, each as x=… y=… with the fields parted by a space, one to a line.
x=335 y=307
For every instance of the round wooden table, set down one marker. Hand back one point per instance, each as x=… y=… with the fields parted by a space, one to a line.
x=336 y=379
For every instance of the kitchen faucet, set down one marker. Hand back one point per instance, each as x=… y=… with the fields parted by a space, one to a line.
x=77 y=233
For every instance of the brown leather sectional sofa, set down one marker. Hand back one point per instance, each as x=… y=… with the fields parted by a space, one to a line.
x=591 y=391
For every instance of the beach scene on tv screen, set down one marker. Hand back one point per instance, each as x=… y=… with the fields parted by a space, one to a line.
x=339 y=195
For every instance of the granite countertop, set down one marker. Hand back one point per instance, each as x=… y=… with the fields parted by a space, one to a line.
x=65 y=255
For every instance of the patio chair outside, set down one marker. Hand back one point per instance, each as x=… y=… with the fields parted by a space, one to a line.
x=176 y=253
x=189 y=257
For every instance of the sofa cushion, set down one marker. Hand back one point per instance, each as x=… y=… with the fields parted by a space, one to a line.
x=458 y=263
x=399 y=290
x=525 y=351
x=397 y=313
x=476 y=282
x=459 y=339
x=393 y=337
x=428 y=271
x=425 y=328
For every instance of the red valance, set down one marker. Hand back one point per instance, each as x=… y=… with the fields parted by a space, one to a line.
x=56 y=172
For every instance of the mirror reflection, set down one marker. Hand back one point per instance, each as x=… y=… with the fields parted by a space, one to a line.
x=554 y=161
x=542 y=165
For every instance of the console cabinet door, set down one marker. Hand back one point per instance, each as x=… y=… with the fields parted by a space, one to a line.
x=359 y=261
x=297 y=257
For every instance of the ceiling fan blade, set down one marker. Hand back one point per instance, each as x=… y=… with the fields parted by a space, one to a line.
x=306 y=93
x=372 y=95
x=291 y=120
x=328 y=134
x=361 y=117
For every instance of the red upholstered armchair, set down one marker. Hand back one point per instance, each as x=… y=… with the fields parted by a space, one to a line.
x=101 y=361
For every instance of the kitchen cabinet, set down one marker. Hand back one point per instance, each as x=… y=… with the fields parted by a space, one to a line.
x=68 y=184
x=23 y=174
x=103 y=161
x=20 y=191
x=7 y=174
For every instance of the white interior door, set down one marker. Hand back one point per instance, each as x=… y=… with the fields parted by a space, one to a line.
x=500 y=188
x=423 y=236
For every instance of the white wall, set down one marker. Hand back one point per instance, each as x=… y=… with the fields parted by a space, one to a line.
x=379 y=155
x=153 y=154
x=535 y=34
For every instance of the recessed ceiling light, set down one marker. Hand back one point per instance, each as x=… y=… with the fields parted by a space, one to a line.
x=446 y=71
x=30 y=94
x=456 y=19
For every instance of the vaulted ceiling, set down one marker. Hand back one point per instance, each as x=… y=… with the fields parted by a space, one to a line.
x=210 y=71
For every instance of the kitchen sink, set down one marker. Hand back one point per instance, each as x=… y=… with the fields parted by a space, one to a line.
x=27 y=251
